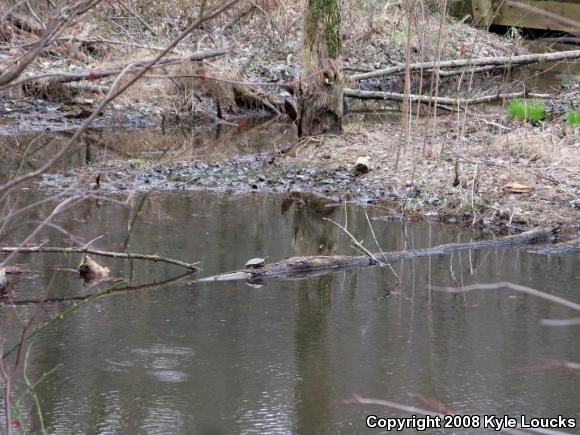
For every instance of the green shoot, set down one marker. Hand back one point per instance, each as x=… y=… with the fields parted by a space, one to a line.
x=532 y=111
x=573 y=116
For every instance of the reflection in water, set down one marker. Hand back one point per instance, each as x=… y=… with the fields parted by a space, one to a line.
x=29 y=151
x=310 y=231
x=227 y=358
x=313 y=391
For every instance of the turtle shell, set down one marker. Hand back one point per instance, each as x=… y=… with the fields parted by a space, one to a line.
x=254 y=263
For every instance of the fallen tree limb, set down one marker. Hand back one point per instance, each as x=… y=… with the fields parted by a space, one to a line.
x=63 y=18
x=67 y=77
x=86 y=250
x=87 y=87
x=3 y=281
x=481 y=69
x=570 y=247
x=393 y=96
x=315 y=265
x=506 y=61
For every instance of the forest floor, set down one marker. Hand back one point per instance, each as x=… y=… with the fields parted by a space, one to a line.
x=453 y=167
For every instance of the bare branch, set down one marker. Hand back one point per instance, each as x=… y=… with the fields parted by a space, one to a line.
x=356 y=242
x=66 y=77
x=56 y=25
x=86 y=250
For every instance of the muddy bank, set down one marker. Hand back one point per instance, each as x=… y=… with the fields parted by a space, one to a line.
x=267 y=172
x=467 y=188
x=31 y=114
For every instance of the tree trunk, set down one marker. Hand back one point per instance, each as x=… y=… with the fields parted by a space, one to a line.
x=320 y=99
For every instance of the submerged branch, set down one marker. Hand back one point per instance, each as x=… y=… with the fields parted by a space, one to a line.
x=86 y=250
x=570 y=247
x=356 y=399
x=107 y=292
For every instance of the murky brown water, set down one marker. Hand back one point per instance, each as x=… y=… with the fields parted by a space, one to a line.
x=221 y=358
x=224 y=357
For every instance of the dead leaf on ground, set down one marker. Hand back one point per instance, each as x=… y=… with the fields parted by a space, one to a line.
x=90 y=269
x=77 y=110
x=517 y=188
x=7 y=121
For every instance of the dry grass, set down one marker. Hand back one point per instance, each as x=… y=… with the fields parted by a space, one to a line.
x=541 y=159
x=193 y=81
x=527 y=143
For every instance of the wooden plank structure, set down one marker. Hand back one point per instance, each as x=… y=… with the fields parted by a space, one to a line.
x=558 y=15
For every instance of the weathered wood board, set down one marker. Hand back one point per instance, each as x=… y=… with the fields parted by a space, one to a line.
x=503 y=13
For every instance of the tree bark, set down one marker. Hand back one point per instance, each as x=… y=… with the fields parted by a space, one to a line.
x=320 y=99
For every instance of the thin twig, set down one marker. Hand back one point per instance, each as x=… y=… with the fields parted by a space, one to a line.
x=381 y=249
x=138 y=17
x=86 y=250
x=356 y=242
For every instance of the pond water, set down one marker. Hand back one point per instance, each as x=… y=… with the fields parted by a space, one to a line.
x=225 y=357
x=27 y=151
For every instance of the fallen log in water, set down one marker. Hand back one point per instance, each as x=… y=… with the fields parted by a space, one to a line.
x=315 y=265
x=570 y=247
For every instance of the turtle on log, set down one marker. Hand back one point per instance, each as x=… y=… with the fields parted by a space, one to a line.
x=255 y=263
